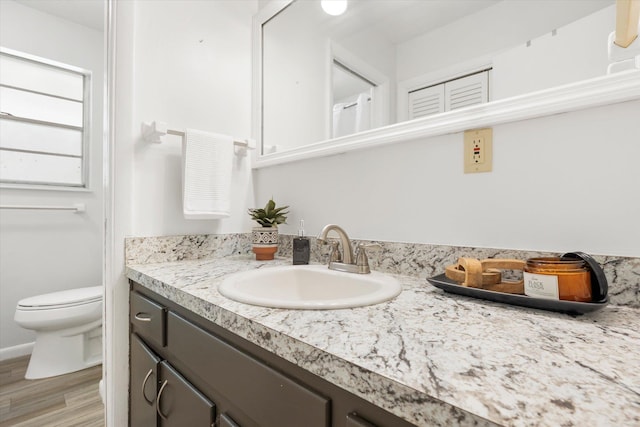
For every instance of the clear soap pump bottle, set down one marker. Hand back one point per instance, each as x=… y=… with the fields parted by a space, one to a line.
x=301 y=247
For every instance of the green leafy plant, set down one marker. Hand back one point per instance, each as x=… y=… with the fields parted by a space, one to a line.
x=270 y=215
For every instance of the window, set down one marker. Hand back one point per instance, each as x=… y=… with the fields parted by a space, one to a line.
x=44 y=121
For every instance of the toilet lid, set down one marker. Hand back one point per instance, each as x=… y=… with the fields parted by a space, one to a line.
x=63 y=298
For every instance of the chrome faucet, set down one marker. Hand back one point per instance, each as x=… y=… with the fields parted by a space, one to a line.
x=344 y=261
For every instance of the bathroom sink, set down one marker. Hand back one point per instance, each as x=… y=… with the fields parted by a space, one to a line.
x=311 y=287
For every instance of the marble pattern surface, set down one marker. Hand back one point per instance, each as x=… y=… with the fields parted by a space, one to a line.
x=145 y=250
x=412 y=259
x=434 y=358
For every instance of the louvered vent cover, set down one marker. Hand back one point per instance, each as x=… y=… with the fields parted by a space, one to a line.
x=426 y=101
x=449 y=95
x=465 y=96
x=466 y=91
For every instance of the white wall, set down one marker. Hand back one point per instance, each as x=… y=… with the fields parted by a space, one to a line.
x=296 y=76
x=187 y=63
x=192 y=70
x=578 y=51
x=47 y=251
x=492 y=30
x=376 y=57
x=559 y=183
x=121 y=69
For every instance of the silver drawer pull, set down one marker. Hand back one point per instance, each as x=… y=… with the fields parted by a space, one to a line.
x=164 y=384
x=143 y=317
x=144 y=384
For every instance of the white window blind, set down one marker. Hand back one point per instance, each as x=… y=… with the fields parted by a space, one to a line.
x=449 y=95
x=44 y=121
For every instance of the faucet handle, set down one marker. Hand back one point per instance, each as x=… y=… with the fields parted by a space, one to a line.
x=335 y=255
x=362 y=261
x=369 y=246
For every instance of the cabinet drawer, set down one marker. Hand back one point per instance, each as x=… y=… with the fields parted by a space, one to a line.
x=148 y=319
x=265 y=395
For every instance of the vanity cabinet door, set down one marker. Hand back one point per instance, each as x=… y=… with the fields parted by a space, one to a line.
x=355 y=421
x=268 y=397
x=148 y=319
x=226 y=421
x=144 y=384
x=180 y=404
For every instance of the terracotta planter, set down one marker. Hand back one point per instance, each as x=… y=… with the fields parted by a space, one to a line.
x=265 y=242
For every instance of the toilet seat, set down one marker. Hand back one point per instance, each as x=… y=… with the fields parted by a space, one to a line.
x=62 y=299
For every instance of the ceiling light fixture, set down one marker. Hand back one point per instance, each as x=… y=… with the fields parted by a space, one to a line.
x=334 y=7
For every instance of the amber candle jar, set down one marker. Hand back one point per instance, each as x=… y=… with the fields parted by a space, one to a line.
x=573 y=276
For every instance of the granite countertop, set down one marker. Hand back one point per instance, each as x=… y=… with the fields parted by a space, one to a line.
x=434 y=358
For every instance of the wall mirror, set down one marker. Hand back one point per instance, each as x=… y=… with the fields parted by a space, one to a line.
x=383 y=70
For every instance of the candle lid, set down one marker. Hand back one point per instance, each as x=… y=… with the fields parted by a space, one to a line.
x=599 y=284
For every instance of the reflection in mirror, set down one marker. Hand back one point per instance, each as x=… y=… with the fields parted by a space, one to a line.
x=453 y=94
x=417 y=48
x=352 y=101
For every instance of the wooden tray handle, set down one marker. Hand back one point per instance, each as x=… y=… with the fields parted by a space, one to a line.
x=489 y=277
x=504 y=264
x=486 y=274
x=473 y=272
x=510 y=287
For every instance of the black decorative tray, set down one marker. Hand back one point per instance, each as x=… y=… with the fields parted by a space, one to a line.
x=568 y=307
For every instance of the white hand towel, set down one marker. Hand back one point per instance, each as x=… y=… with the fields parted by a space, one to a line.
x=206 y=175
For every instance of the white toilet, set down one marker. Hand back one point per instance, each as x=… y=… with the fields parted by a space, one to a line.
x=68 y=326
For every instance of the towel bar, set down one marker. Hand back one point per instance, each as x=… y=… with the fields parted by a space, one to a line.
x=78 y=207
x=152 y=131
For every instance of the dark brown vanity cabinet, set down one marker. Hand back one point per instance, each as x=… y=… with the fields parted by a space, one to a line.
x=187 y=371
x=159 y=395
x=162 y=396
x=143 y=384
x=148 y=319
x=179 y=403
x=263 y=393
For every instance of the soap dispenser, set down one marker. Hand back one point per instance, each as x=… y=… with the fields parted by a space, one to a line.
x=301 y=247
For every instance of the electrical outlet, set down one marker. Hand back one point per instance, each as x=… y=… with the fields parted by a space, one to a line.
x=478 y=150
x=477 y=145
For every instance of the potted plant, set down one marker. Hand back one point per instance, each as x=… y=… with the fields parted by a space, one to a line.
x=265 y=237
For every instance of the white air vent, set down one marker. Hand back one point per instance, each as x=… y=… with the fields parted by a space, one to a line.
x=470 y=90
x=449 y=95
x=426 y=101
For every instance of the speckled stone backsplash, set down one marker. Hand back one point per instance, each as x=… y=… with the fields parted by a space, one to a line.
x=149 y=250
x=412 y=259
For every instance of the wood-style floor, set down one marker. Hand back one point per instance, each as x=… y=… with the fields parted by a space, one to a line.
x=62 y=401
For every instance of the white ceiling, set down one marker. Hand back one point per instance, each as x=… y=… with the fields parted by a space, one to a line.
x=398 y=21
x=402 y=20
x=89 y=13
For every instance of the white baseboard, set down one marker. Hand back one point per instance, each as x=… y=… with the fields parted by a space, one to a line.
x=16 y=351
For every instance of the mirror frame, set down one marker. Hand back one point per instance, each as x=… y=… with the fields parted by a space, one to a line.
x=608 y=89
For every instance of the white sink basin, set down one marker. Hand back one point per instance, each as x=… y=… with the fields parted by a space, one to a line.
x=308 y=287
